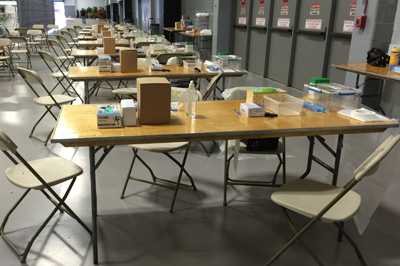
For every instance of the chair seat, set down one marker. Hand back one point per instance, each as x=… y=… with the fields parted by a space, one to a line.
x=60 y=99
x=53 y=170
x=125 y=91
x=159 y=147
x=308 y=198
x=59 y=74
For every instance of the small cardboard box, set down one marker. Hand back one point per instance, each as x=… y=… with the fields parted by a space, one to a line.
x=100 y=28
x=106 y=33
x=109 y=45
x=128 y=60
x=154 y=101
x=256 y=95
x=178 y=25
x=129 y=112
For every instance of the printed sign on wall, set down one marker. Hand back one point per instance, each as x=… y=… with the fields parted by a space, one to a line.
x=353 y=8
x=348 y=26
x=261 y=7
x=284 y=23
x=243 y=4
x=285 y=8
x=313 y=24
x=315 y=9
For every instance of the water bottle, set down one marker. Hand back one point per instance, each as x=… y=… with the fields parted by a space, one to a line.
x=190 y=100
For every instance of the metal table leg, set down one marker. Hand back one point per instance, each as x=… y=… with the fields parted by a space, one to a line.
x=94 y=203
x=226 y=172
x=86 y=91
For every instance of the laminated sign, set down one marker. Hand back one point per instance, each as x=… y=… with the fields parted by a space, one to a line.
x=283 y=23
x=261 y=8
x=315 y=9
x=353 y=8
x=313 y=24
x=348 y=26
x=285 y=8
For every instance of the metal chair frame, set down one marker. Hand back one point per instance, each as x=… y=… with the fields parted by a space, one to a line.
x=58 y=201
x=28 y=75
x=165 y=183
x=56 y=47
x=18 y=43
x=367 y=168
x=49 y=60
x=7 y=61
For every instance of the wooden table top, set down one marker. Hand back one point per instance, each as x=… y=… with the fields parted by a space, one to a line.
x=86 y=38
x=95 y=43
x=88 y=53
x=172 y=29
x=368 y=70
x=193 y=35
x=217 y=120
x=80 y=73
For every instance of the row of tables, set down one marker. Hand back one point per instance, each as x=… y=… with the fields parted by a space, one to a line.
x=77 y=127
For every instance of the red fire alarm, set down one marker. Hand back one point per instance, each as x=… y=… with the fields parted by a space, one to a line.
x=361 y=22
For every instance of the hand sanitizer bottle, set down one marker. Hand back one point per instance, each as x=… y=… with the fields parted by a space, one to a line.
x=193 y=100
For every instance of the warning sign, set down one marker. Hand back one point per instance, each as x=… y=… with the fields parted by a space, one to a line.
x=283 y=23
x=261 y=7
x=243 y=4
x=285 y=8
x=315 y=9
x=353 y=8
x=313 y=24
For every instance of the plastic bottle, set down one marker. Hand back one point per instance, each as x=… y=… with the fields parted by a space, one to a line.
x=190 y=100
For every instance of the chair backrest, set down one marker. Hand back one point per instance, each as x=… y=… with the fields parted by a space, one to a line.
x=52 y=26
x=371 y=164
x=5 y=42
x=49 y=60
x=56 y=47
x=177 y=94
x=6 y=144
x=212 y=86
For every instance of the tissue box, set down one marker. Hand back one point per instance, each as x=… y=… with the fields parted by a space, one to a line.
x=251 y=110
x=128 y=59
x=154 y=100
x=109 y=45
x=129 y=111
x=256 y=95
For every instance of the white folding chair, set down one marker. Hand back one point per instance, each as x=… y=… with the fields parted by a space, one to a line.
x=44 y=97
x=327 y=203
x=165 y=149
x=40 y=175
x=6 y=56
x=20 y=51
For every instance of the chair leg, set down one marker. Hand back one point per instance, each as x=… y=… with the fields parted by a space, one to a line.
x=353 y=244
x=184 y=170
x=129 y=174
x=277 y=169
x=179 y=178
x=37 y=123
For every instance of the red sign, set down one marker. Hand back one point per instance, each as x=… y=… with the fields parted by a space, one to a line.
x=315 y=9
x=285 y=8
x=261 y=7
x=243 y=4
x=353 y=8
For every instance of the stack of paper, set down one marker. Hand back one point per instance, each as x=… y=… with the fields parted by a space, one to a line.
x=104 y=63
x=363 y=115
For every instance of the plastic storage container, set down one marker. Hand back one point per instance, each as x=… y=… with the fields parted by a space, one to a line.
x=283 y=104
x=228 y=61
x=333 y=96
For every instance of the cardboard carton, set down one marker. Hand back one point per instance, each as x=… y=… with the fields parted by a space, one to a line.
x=109 y=45
x=106 y=33
x=154 y=101
x=128 y=60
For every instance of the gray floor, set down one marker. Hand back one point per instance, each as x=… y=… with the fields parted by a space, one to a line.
x=140 y=231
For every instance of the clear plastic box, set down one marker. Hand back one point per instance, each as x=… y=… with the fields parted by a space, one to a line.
x=283 y=104
x=228 y=61
x=333 y=96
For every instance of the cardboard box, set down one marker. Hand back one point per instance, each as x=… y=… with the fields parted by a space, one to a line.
x=128 y=60
x=256 y=95
x=106 y=33
x=109 y=45
x=178 y=25
x=154 y=101
x=251 y=110
x=100 y=28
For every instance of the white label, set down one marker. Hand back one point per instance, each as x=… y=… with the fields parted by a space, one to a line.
x=283 y=23
x=313 y=24
x=348 y=26
x=260 y=21
x=242 y=21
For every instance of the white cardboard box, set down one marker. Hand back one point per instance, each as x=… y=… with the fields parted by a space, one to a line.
x=129 y=113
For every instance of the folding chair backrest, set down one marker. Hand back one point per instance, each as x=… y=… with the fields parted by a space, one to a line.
x=212 y=86
x=6 y=144
x=52 y=26
x=63 y=41
x=56 y=47
x=371 y=164
x=34 y=32
x=38 y=26
x=49 y=60
x=34 y=81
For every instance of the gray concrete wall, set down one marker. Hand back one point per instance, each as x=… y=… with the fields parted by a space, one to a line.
x=35 y=12
x=191 y=7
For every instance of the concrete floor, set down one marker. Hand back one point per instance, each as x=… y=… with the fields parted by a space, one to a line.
x=140 y=231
